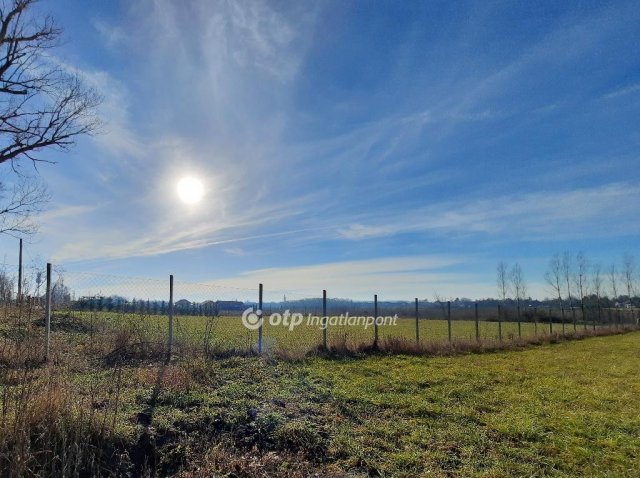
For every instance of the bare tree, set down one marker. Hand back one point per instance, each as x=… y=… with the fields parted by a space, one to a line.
x=553 y=276
x=629 y=273
x=43 y=106
x=580 y=279
x=19 y=204
x=597 y=281
x=519 y=288
x=612 y=274
x=567 y=275
x=503 y=280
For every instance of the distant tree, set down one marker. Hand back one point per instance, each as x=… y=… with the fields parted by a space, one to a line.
x=518 y=285
x=580 y=278
x=553 y=276
x=567 y=275
x=503 y=280
x=629 y=273
x=6 y=285
x=612 y=274
x=60 y=293
x=596 y=280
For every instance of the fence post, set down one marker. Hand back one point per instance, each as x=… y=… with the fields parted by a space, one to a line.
x=47 y=319
x=260 y=318
x=499 y=322
x=575 y=321
x=19 y=297
x=417 y=324
x=449 y=320
x=535 y=320
x=170 y=344
x=375 y=321
x=519 y=323
x=563 y=320
x=551 y=323
x=477 y=323
x=324 y=319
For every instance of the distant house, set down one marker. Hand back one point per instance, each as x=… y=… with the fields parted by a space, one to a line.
x=229 y=306
x=209 y=307
x=182 y=304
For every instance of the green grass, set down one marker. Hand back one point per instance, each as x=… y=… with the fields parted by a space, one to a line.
x=569 y=409
x=226 y=333
x=564 y=410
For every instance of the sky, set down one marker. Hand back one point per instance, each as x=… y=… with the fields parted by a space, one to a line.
x=397 y=148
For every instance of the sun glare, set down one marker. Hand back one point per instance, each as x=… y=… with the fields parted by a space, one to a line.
x=190 y=190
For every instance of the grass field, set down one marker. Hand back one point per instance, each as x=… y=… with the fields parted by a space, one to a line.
x=112 y=406
x=228 y=333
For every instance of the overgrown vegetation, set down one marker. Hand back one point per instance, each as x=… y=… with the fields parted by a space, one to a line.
x=109 y=404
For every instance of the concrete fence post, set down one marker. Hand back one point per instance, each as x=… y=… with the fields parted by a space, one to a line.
x=47 y=319
x=475 y=306
x=324 y=319
x=375 y=321
x=260 y=318
x=19 y=297
x=417 y=324
x=449 y=321
x=170 y=341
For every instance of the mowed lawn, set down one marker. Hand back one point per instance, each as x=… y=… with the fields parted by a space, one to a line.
x=569 y=409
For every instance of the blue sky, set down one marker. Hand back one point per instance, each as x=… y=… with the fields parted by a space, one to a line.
x=402 y=148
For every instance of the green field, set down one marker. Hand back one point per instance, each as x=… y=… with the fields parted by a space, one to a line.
x=228 y=333
x=109 y=405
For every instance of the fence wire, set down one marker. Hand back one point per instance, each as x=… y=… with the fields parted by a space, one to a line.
x=113 y=314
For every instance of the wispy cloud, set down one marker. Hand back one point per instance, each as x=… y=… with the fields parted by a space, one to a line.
x=623 y=91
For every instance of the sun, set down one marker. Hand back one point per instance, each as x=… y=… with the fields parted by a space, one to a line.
x=190 y=190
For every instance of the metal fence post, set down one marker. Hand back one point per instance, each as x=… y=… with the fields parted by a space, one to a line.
x=499 y=322
x=324 y=319
x=170 y=343
x=449 y=320
x=477 y=323
x=47 y=319
x=375 y=321
x=260 y=318
x=417 y=324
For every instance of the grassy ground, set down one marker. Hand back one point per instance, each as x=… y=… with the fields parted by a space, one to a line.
x=567 y=409
x=112 y=407
x=228 y=333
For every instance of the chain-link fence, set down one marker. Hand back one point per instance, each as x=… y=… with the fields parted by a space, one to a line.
x=119 y=316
